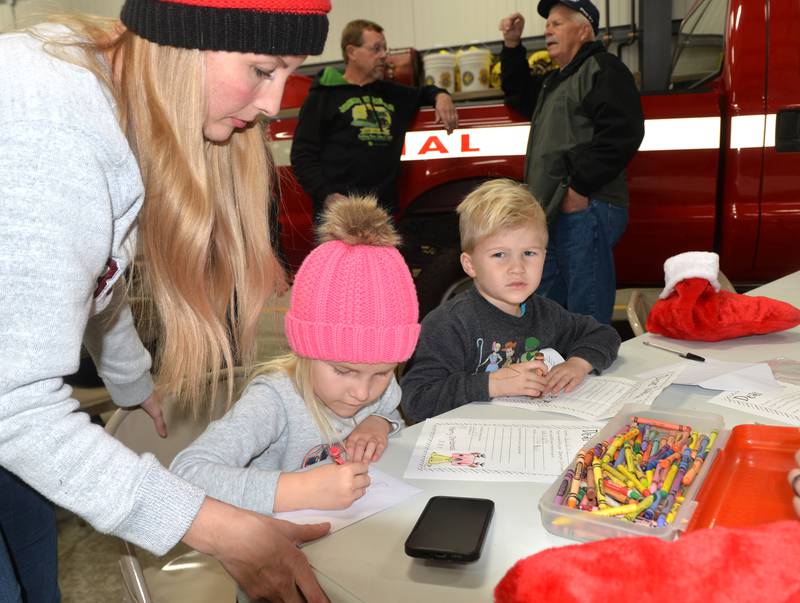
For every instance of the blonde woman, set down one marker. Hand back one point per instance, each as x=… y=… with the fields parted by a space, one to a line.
x=112 y=132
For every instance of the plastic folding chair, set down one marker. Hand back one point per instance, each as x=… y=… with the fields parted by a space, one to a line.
x=190 y=577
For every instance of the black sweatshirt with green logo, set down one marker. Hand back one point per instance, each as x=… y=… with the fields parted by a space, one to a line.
x=349 y=138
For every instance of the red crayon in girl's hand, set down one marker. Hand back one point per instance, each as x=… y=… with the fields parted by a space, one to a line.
x=338 y=454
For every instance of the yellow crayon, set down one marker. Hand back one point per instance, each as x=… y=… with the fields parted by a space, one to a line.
x=711 y=439
x=631 y=435
x=671 y=515
x=693 y=441
x=632 y=479
x=600 y=492
x=645 y=503
x=621 y=510
x=670 y=478
x=640 y=507
x=628 y=452
x=611 y=452
x=615 y=475
x=637 y=471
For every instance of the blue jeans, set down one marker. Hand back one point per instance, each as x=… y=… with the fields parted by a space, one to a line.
x=28 y=554
x=579 y=265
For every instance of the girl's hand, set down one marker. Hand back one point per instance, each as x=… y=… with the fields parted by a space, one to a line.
x=333 y=486
x=567 y=375
x=368 y=440
x=152 y=406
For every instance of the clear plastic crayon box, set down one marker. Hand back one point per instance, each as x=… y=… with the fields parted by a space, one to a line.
x=585 y=526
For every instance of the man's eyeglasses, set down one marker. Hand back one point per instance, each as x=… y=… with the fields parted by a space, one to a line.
x=376 y=48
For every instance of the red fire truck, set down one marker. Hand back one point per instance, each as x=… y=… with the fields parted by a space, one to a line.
x=719 y=167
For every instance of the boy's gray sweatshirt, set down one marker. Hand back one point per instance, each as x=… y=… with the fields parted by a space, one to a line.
x=239 y=458
x=463 y=341
x=70 y=190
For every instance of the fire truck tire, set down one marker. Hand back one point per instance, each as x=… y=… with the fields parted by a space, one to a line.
x=437 y=277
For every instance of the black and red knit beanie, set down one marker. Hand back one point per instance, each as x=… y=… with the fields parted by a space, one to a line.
x=276 y=27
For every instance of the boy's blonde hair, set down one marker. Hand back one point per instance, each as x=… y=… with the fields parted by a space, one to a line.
x=497 y=205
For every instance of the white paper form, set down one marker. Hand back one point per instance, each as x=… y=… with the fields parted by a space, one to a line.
x=597 y=397
x=496 y=451
x=383 y=492
x=723 y=375
x=781 y=406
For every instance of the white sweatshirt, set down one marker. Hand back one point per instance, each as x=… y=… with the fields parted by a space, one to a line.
x=70 y=190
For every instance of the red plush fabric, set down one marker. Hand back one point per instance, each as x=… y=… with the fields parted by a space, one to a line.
x=759 y=564
x=696 y=311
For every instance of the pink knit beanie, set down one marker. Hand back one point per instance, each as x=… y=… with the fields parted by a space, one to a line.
x=353 y=299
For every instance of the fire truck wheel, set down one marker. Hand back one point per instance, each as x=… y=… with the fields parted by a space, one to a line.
x=437 y=278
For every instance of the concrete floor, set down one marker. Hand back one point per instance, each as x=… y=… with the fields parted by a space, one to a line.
x=88 y=570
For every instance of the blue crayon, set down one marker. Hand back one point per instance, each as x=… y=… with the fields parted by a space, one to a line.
x=649 y=512
x=620 y=458
x=701 y=448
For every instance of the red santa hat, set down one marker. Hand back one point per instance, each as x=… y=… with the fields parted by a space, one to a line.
x=757 y=563
x=693 y=307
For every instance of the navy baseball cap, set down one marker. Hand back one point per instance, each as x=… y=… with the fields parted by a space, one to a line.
x=586 y=8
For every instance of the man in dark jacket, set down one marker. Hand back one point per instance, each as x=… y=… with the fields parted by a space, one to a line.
x=351 y=127
x=587 y=123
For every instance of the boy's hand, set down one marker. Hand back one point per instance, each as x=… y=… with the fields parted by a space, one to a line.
x=523 y=379
x=333 y=486
x=368 y=440
x=567 y=375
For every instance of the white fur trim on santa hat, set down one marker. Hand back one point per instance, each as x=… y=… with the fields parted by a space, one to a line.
x=692 y=264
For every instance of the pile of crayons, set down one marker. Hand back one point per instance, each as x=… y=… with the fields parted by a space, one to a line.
x=641 y=475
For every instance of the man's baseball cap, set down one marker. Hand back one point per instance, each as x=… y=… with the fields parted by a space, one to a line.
x=586 y=8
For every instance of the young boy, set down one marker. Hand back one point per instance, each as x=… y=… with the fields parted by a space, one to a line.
x=481 y=344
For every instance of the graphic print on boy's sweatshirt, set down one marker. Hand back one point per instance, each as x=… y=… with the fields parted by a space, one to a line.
x=502 y=354
x=373 y=117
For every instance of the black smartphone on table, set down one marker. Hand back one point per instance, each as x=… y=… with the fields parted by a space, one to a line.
x=451 y=528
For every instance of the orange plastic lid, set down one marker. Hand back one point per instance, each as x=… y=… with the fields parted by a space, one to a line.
x=747 y=484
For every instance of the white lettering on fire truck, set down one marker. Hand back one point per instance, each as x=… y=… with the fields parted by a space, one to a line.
x=679 y=134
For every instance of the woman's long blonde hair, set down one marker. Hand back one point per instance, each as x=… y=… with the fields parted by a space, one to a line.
x=204 y=238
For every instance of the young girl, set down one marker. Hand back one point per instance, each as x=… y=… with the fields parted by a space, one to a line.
x=353 y=317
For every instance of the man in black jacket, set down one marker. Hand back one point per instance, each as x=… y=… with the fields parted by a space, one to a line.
x=351 y=127
x=587 y=123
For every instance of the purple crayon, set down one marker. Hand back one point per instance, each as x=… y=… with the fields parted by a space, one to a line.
x=682 y=468
x=562 y=489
